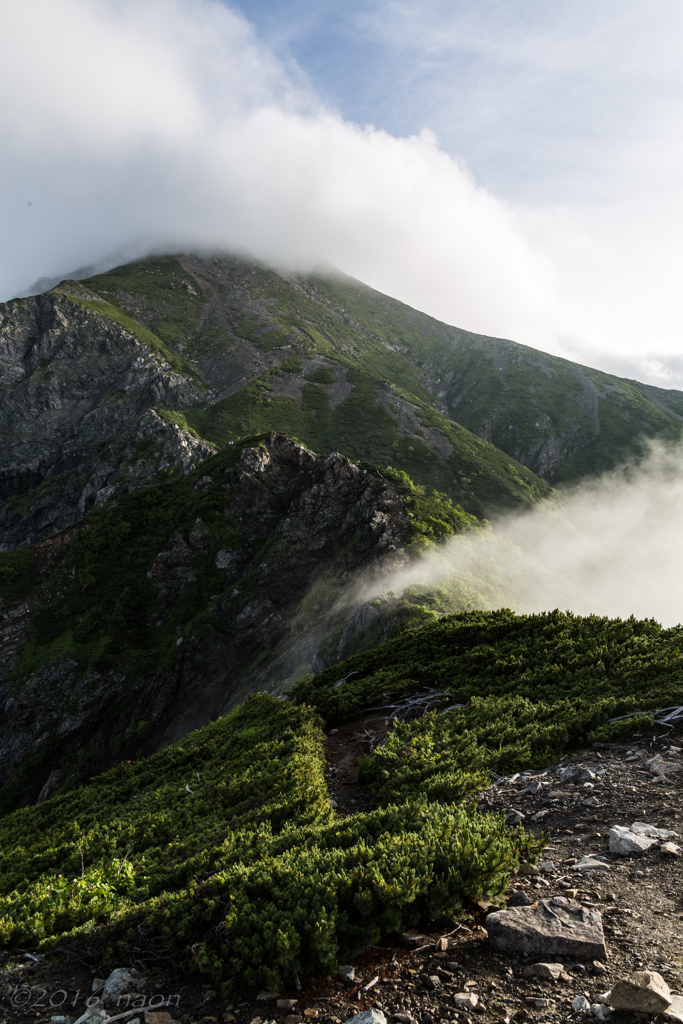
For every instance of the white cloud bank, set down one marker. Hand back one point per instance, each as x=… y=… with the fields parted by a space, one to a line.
x=165 y=124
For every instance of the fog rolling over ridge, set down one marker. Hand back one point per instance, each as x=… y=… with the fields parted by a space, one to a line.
x=613 y=547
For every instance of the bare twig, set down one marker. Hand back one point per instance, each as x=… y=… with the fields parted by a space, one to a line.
x=663 y=716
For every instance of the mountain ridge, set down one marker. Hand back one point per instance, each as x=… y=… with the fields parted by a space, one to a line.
x=545 y=411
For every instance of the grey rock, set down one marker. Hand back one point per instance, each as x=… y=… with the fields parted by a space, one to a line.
x=54 y=781
x=589 y=863
x=642 y=828
x=601 y=1012
x=60 y=1020
x=413 y=940
x=77 y=413
x=433 y=982
x=519 y=899
x=670 y=849
x=513 y=817
x=599 y=968
x=538 y=1002
x=120 y=981
x=675 y=1012
x=623 y=841
x=548 y=972
x=286 y=1004
x=465 y=1000
x=227 y=559
x=581 y=1004
x=368 y=1017
x=93 y=1015
x=641 y=992
x=265 y=996
x=527 y=869
x=557 y=926
x=577 y=775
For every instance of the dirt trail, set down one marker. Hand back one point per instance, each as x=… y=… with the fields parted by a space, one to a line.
x=343 y=748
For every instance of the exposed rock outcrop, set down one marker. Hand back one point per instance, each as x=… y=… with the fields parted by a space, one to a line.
x=77 y=419
x=300 y=531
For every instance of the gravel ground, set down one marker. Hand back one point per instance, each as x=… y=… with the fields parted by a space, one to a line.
x=640 y=899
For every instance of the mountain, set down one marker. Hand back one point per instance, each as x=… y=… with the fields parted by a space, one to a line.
x=158 y=566
x=212 y=474
x=558 y=418
x=133 y=376
x=128 y=377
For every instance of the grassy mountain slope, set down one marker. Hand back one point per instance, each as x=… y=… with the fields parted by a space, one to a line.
x=560 y=419
x=223 y=850
x=277 y=354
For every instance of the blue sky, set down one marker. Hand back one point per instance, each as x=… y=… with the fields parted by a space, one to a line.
x=514 y=167
x=541 y=99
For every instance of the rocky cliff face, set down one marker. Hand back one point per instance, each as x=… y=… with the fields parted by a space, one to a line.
x=77 y=420
x=178 y=627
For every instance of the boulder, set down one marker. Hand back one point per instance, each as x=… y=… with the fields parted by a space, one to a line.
x=641 y=992
x=623 y=841
x=558 y=926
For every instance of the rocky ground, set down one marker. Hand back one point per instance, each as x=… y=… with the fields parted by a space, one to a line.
x=434 y=978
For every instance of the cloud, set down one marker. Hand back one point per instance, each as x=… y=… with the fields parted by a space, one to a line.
x=167 y=124
x=612 y=547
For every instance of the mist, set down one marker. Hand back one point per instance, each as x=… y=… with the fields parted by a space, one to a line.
x=611 y=547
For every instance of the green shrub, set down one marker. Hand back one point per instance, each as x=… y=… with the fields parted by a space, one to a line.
x=16 y=573
x=225 y=845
